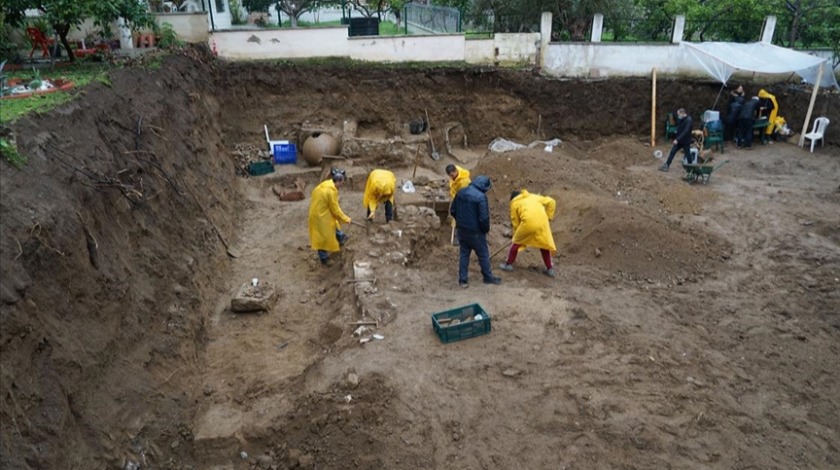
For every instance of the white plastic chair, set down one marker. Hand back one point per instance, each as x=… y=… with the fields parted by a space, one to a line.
x=818 y=132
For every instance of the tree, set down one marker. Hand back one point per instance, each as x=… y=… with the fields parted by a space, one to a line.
x=295 y=8
x=63 y=15
x=257 y=6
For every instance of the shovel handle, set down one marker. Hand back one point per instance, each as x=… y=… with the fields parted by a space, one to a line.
x=500 y=250
x=357 y=224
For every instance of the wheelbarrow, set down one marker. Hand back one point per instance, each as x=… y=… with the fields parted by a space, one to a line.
x=700 y=173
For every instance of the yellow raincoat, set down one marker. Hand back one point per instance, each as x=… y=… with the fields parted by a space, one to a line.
x=325 y=217
x=460 y=182
x=772 y=118
x=530 y=215
x=381 y=186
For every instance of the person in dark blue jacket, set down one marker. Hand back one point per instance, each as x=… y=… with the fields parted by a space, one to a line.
x=682 y=139
x=472 y=216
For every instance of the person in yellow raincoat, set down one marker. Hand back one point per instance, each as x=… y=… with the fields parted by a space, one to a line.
x=768 y=102
x=459 y=179
x=326 y=217
x=530 y=215
x=380 y=189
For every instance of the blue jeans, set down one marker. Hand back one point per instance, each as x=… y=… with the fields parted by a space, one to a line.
x=473 y=241
x=389 y=211
x=340 y=236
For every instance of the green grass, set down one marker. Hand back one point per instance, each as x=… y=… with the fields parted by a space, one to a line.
x=11 y=154
x=386 y=28
x=80 y=75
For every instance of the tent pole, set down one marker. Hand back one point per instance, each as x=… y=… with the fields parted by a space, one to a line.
x=722 y=86
x=811 y=105
x=653 y=111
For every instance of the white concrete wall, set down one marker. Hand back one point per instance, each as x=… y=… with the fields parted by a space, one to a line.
x=281 y=43
x=517 y=47
x=479 y=51
x=190 y=27
x=440 y=48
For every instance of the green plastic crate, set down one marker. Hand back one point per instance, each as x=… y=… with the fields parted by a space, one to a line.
x=260 y=168
x=467 y=328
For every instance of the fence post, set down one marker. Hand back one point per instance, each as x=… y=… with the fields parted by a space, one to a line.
x=768 y=29
x=597 y=27
x=545 y=37
x=679 y=29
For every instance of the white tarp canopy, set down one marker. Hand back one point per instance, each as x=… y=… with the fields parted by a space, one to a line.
x=722 y=59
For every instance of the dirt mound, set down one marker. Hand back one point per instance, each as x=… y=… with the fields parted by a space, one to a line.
x=607 y=217
x=349 y=425
x=621 y=152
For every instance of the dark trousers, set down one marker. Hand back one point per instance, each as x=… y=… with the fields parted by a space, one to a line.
x=470 y=241
x=341 y=237
x=686 y=148
x=745 y=132
x=389 y=211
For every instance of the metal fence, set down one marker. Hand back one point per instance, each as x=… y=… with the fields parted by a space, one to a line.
x=637 y=30
x=730 y=30
x=430 y=19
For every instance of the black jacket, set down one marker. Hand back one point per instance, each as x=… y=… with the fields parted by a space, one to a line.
x=683 y=134
x=470 y=207
x=749 y=110
x=735 y=109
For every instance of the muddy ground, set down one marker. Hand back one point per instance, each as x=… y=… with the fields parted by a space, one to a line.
x=690 y=326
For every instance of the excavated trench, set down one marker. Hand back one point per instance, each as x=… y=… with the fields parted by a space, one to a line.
x=117 y=348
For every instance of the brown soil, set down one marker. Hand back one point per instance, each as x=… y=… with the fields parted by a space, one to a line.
x=690 y=326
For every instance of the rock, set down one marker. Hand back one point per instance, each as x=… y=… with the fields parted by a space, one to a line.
x=456 y=437
x=253 y=299
x=352 y=380
x=264 y=461
x=294 y=457
x=511 y=372
x=243 y=455
x=597 y=252
x=307 y=461
x=174 y=445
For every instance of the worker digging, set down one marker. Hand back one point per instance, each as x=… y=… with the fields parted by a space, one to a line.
x=381 y=188
x=531 y=216
x=326 y=217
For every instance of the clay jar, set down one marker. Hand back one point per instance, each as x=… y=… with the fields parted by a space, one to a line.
x=317 y=145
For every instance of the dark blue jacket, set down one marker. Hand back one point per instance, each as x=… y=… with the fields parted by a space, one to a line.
x=470 y=207
x=683 y=134
x=749 y=110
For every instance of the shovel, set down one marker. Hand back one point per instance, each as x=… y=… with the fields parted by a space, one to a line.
x=500 y=250
x=435 y=155
x=232 y=252
x=364 y=226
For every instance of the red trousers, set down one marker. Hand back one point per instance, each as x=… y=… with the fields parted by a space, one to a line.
x=514 y=250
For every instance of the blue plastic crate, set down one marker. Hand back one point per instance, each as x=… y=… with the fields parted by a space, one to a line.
x=284 y=153
x=467 y=327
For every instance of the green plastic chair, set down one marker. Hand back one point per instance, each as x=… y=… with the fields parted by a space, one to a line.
x=670 y=125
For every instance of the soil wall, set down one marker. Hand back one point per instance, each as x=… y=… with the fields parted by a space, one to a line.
x=106 y=259
x=489 y=103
